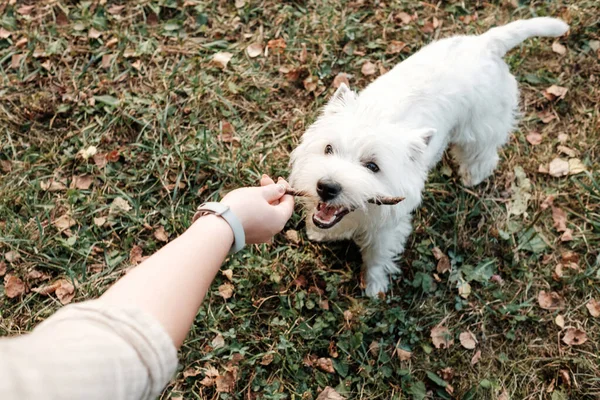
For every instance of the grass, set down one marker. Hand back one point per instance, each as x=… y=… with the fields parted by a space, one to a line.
x=137 y=81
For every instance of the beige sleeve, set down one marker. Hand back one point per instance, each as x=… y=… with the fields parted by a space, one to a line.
x=89 y=351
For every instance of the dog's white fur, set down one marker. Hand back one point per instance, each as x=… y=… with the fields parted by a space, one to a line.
x=454 y=91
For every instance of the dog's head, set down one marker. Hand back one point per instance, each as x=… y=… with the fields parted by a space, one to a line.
x=354 y=153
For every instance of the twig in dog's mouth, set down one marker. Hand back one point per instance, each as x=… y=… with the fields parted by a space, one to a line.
x=379 y=200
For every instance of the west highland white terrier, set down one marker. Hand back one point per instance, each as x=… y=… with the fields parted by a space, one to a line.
x=385 y=140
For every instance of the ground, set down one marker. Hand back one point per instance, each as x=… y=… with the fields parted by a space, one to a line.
x=117 y=119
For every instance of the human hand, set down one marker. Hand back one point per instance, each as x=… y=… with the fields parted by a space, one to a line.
x=262 y=211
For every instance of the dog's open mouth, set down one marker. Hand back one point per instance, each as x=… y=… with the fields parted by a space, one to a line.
x=326 y=216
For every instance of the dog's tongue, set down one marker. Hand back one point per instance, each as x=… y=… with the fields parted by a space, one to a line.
x=326 y=213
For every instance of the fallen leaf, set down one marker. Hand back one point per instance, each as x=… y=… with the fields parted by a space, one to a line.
x=443 y=264
x=521 y=192
x=497 y=279
x=11 y=256
x=228 y=273
x=21 y=43
x=292 y=236
x=559 y=216
x=441 y=337
x=266 y=359
x=63 y=222
x=161 y=235
x=107 y=60
x=25 y=10
x=468 y=340
x=403 y=355
x=119 y=205
x=5 y=166
x=464 y=288
x=82 y=182
x=2 y=268
x=329 y=393
x=100 y=160
x=325 y=365
x=65 y=291
x=36 y=275
x=240 y=3
x=567 y=236
x=563 y=137
x=476 y=357
x=303 y=54
x=4 y=34
x=427 y=27
x=135 y=255
x=446 y=373
x=534 y=138
x=221 y=59
x=374 y=348
x=137 y=65
x=225 y=383
x=310 y=83
x=207 y=381
x=395 y=47
x=559 y=48
x=558 y=167
x=546 y=116
x=227 y=133
x=99 y=221
x=254 y=50
x=368 y=68
x=555 y=92
x=404 y=17
x=504 y=395
x=593 y=307
x=218 y=341
x=550 y=301
x=576 y=166
x=115 y=9
x=13 y=286
x=52 y=185
x=567 y=150
x=560 y=321
x=277 y=45
x=564 y=374
x=226 y=290
x=574 y=337
x=340 y=78
x=191 y=372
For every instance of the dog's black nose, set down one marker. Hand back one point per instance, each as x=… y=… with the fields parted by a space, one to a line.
x=328 y=190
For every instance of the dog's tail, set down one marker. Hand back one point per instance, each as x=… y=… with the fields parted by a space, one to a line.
x=503 y=38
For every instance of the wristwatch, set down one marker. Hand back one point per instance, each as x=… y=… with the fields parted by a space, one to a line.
x=223 y=211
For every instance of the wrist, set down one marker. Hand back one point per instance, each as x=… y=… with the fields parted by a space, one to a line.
x=215 y=226
x=224 y=213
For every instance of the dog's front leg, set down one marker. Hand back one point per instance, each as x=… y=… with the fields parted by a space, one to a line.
x=379 y=252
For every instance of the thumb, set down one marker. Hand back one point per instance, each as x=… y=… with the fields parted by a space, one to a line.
x=273 y=192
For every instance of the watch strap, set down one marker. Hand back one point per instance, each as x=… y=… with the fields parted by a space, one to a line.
x=223 y=211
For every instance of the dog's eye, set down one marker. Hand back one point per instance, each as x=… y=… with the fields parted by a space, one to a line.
x=328 y=149
x=372 y=166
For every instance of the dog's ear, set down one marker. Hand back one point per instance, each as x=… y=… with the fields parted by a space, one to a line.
x=342 y=97
x=422 y=137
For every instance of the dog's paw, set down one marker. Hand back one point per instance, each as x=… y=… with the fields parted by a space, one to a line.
x=465 y=176
x=374 y=287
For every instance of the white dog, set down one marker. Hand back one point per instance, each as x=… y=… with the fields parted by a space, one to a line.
x=385 y=140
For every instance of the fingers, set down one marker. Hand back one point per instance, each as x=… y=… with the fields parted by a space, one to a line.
x=273 y=192
x=286 y=203
x=266 y=180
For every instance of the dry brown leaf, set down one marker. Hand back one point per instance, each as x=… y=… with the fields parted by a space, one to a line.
x=446 y=373
x=218 y=341
x=254 y=50
x=546 y=116
x=225 y=383
x=100 y=160
x=135 y=255
x=63 y=222
x=310 y=83
x=504 y=395
x=226 y=290
x=555 y=92
x=550 y=301
x=567 y=235
x=115 y=9
x=11 y=256
x=2 y=268
x=560 y=321
x=82 y=182
x=240 y=3
x=15 y=62
x=277 y=45
x=52 y=185
x=5 y=166
x=558 y=167
x=266 y=359
x=99 y=221
x=476 y=357
x=13 y=286
x=374 y=348
x=395 y=47
x=427 y=27
x=94 y=34
x=574 y=337
x=576 y=166
x=221 y=59
x=368 y=68
x=559 y=48
x=137 y=65
x=47 y=289
x=563 y=137
x=325 y=365
x=559 y=216
x=441 y=337
x=403 y=355
x=404 y=17
x=593 y=307
x=329 y=393
x=333 y=349
x=303 y=54
x=25 y=10
x=207 y=381
x=468 y=340
x=534 y=138
x=567 y=150
x=228 y=134
x=107 y=60
x=65 y=291
x=228 y=274
x=292 y=236
x=161 y=235
x=191 y=372
x=443 y=264
x=340 y=78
